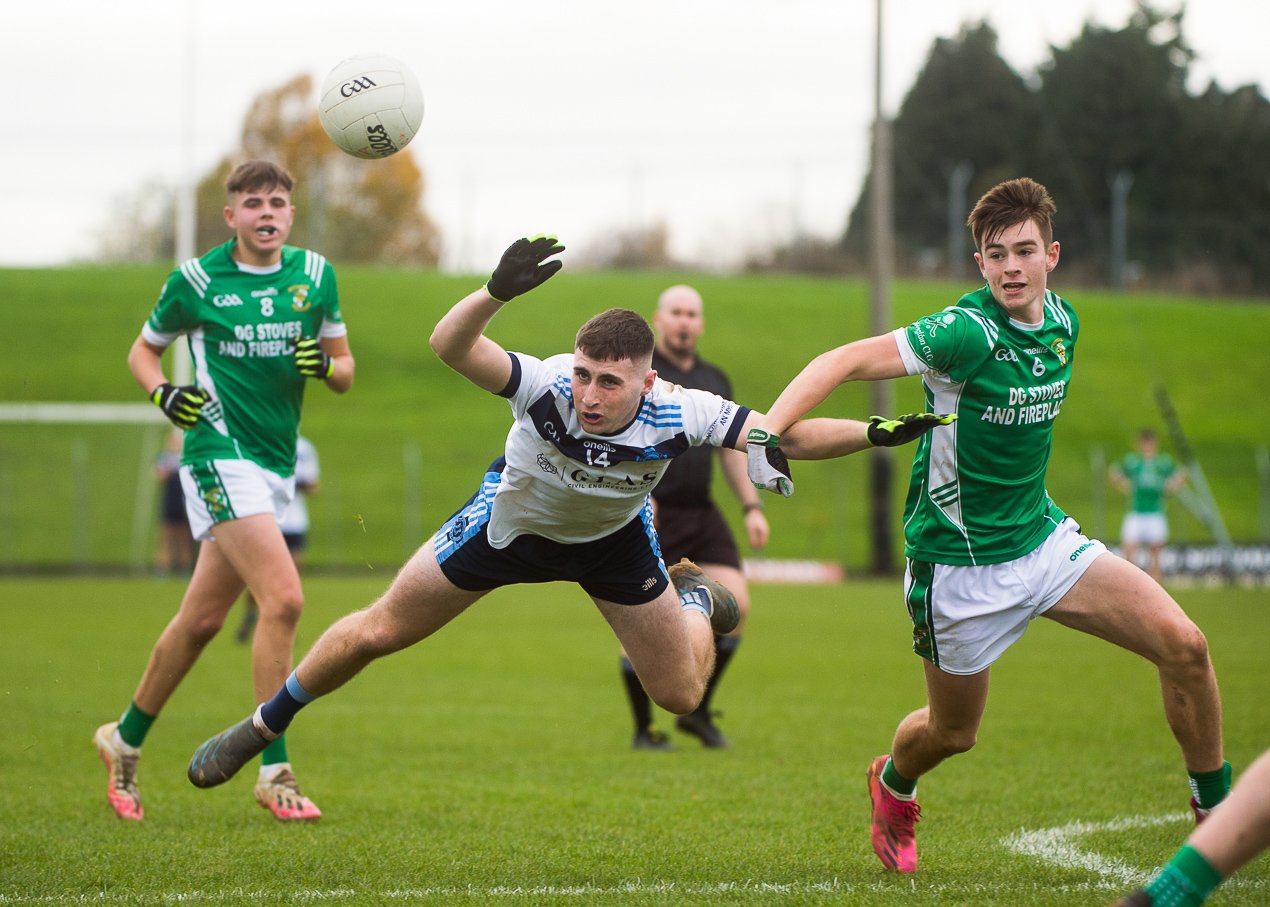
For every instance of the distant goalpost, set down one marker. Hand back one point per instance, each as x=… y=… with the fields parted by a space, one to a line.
x=153 y=427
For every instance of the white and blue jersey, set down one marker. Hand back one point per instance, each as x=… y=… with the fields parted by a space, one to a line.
x=565 y=484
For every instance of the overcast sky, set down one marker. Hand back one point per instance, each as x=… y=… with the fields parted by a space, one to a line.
x=734 y=122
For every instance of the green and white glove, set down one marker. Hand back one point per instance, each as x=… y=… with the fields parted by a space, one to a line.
x=311 y=360
x=180 y=403
x=523 y=267
x=894 y=432
x=767 y=466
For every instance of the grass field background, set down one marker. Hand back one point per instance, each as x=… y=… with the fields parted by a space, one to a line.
x=408 y=443
x=490 y=764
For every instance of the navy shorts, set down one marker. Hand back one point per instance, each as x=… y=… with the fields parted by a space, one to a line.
x=624 y=567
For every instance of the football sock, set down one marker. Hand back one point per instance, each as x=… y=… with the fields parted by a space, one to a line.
x=1186 y=881
x=1210 y=788
x=696 y=599
x=902 y=787
x=724 y=649
x=134 y=725
x=641 y=705
x=275 y=752
x=290 y=698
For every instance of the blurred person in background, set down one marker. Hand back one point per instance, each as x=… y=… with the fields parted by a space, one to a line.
x=1146 y=476
x=689 y=522
x=176 y=547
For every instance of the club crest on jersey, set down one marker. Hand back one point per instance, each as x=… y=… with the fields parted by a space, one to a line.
x=299 y=297
x=935 y=322
x=1060 y=351
x=215 y=500
x=546 y=465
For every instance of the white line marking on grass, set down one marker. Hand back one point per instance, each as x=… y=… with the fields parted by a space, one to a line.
x=1055 y=846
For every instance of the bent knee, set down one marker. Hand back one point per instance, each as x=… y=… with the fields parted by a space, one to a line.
x=284 y=608
x=678 y=701
x=956 y=740
x=1185 y=647
x=202 y=630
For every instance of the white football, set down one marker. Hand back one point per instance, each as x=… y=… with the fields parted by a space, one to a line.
x=371 y=105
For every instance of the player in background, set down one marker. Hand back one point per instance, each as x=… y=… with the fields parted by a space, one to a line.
x=177 y=547
x=1146 y=476
x=592 y=434
x=689 y=523
x=262 y=319
x=1225 y=841
x=987 y=548
x=294 y=524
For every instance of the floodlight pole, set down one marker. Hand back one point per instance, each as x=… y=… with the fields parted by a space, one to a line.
x=883 y=255
x=186 y=196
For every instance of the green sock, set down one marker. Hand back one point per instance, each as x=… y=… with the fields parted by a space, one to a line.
x=897 y=782
x=1186 y=881
x=275 y=752
x=1210 y=788
x=134 y=725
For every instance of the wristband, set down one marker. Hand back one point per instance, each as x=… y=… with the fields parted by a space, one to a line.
x=746 y=508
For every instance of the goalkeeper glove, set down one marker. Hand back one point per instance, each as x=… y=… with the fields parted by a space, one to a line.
x=894 y=432
x=311 y=360
x=181 y=404
x=767 y=467
x=522 y=267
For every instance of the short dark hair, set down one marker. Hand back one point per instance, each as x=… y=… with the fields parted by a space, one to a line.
x=252 y=176
x=1010 y=203
x=616 y=334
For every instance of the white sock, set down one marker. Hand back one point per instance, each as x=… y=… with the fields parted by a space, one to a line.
x=269 y=772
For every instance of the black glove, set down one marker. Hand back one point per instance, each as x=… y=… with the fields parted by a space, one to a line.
x=181 y=404
x=311 y=360
x=894 y=432
x=767 y=466
x=522 y=267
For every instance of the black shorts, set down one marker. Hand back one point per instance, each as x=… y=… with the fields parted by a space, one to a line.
x=698 y=532
x=296 y=541
x=624 y=567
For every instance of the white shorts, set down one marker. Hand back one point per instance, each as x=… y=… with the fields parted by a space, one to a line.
x=965 y=617
x=1144 y=529
x=220 y=490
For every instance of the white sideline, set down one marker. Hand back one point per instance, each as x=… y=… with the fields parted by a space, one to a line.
x=1055 y=846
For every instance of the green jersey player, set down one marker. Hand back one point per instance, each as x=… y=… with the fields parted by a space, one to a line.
x=987 y=548
x=1146 y=476
x=261 y=319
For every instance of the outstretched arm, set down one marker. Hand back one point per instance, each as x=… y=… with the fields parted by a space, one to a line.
x=459 y=341
x=822 y=439
x=872 y=359
x=459 y=338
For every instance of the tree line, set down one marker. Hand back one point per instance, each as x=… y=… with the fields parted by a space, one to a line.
x=1109 y=126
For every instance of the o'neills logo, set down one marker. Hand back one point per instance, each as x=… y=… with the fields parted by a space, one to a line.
x=380 y=142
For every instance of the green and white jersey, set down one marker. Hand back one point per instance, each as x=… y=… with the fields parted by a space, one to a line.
x=1148 y=479
x=242 y=323
x=977 y=494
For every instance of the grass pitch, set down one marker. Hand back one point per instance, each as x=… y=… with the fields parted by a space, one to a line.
x=491 y=762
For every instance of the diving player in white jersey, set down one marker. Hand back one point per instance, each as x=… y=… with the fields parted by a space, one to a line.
x=569 y=500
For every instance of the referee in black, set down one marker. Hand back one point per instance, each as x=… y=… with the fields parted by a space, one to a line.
x=689 y=523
